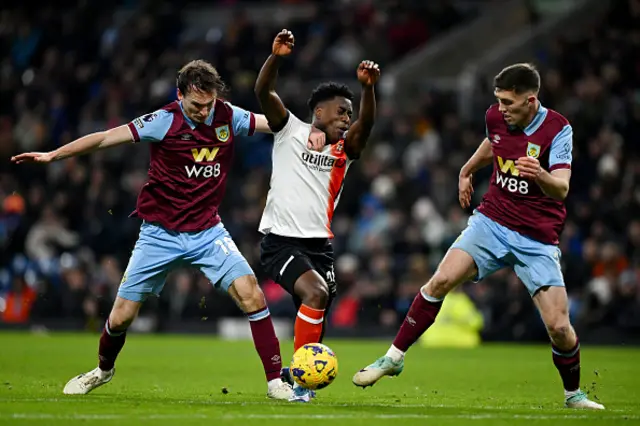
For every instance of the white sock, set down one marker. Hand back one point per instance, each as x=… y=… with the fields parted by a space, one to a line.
x=104 y=373
x=569 y=394
x=395 y=354
x=274 y=382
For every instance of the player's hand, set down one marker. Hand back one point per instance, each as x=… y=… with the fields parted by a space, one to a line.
x=283 y=43
x=317 y=140
x=529 y=167
x=368 y=73
x=465 y=190
x=34 y=157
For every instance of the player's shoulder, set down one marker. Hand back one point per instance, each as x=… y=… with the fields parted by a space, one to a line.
x=226 y=105
x=292 y=125
x=493 y=118
x=555 y=117
x=555 y=123
x=493 y=114
x=164 y=114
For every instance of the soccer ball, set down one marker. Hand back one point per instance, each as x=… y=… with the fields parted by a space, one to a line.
x=314 y=366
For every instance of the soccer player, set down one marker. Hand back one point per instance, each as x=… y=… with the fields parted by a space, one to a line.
x=191 y=144
x=517 y=225
x=305 y=188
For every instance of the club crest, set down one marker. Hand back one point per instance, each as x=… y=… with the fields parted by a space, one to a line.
x=222 y=133
x=533 y=150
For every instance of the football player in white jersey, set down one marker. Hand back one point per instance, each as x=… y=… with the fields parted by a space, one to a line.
x=305 y=188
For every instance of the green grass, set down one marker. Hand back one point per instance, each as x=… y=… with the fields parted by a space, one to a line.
x=178 y=380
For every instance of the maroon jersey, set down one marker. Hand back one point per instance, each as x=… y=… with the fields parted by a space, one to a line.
x=517 y=203
x=189 y=164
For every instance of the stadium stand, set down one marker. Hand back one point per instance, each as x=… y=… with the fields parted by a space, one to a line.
x=64 y=232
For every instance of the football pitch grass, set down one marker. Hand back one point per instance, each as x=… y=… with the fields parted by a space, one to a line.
x=179 y=380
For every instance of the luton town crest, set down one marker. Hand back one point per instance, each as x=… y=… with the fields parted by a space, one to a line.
x=222 y=133
x=533 y=150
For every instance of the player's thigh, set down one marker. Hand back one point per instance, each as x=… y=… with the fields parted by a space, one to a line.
x=286 y=263
x=481 y=243
x=156 y=252
x=323 y=261
x=215 y=253
x=537 y=265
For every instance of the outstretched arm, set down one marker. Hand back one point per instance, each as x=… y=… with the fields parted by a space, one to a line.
x=84 y=145
x=265 y=87
x=149 y=128
x=356 y=140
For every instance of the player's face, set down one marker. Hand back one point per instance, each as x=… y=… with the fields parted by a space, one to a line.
x=197 y=105
x=515 y=108
x=334 y=117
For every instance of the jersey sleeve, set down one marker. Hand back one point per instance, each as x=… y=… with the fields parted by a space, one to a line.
x=243 y=121
x=560 y=155
x=151 y=127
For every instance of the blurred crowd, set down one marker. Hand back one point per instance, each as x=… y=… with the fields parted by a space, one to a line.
x=65 y=237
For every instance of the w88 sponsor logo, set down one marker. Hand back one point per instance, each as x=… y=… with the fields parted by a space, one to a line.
x=207 y=170
x=508 y=177
x=512 y=184
x=210 y=171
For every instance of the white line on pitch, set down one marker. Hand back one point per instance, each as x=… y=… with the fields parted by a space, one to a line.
x=204 y=402
x=45 y=416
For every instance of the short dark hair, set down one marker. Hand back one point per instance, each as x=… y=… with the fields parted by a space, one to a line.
x=520 y=78
x=326 y=91
x=201 y=75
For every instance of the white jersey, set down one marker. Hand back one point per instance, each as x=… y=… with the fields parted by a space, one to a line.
x=305 y=185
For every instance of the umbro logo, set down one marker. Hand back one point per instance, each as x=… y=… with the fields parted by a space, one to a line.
x=186 y=137
x=496 y=139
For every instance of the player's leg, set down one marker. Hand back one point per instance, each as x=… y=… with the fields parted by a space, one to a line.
x=313 y=292
x=153 y=255
x=288 y=263
x=249 y=297
x=217 y=256
x=475 y=254
x=538 y=266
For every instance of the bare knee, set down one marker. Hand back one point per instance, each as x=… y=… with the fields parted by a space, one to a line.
x=312 y=289
x=123 y=313
x=247 y=294
x=456 y=267
x=553 y=305
x=439 y=285
x=560 y=331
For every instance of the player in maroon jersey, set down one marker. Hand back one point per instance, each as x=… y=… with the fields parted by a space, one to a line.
x=517 y=225
x=191 y=144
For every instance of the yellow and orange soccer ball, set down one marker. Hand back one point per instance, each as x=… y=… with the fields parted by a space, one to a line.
x=314 y=366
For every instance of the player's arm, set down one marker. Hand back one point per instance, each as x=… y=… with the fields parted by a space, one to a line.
x=555 y=182
x=84 y=145
x=265 y=88
x=149 y=127
x=481 y=158
x=356 y=140
x=245 y=123
x=262 y=124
